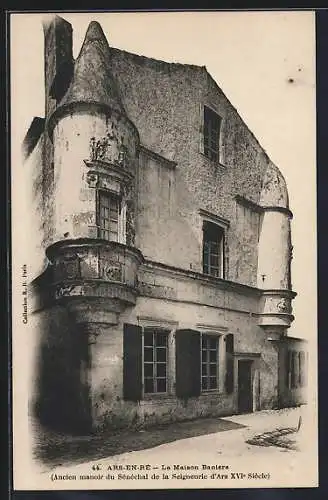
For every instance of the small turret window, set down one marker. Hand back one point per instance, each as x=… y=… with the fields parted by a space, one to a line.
x=108 y=215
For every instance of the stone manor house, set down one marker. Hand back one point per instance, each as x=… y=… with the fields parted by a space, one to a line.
x=161 y=235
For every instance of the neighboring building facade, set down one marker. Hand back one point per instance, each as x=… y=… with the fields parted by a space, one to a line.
x=162 y=289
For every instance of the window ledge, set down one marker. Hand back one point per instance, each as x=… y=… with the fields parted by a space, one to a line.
x=213 y=392
x=153 y=399
x=156 y=398
x=206 y=275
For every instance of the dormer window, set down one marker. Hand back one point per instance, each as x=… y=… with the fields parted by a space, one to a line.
x=212 y=124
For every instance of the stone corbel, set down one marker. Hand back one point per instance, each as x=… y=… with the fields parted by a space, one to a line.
x=92 y=179
x=92 y=331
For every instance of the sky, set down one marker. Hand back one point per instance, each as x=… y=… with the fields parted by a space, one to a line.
x=265 y=64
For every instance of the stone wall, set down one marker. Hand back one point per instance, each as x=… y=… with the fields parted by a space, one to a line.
x=35 y=216
x=198 y=312
x=165 y=102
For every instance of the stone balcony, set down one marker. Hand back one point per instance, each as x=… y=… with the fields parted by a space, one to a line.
x=89 y=269
x=276 y=308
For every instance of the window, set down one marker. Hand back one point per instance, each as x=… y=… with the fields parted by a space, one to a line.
x=155 y=360
x=213 y=240
x=212 y=123
x=108 y=213
x=209 y=361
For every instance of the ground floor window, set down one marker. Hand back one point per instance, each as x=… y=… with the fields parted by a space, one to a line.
x=186 y=362
x=209 y=361
x=155 y=361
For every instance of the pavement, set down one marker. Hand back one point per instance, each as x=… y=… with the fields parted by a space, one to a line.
x=268 y=447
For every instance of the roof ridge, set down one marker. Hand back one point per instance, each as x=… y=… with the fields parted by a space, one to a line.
x=154 y=60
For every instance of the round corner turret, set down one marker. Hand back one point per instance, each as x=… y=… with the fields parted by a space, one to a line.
x=274 y=191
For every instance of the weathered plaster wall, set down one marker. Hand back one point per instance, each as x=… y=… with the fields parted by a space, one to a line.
x=34 y=216
x=199 y=306
x=274 y=251
x=107 y=390
x=161 y=234
x=165 y=102
x=106 y=380
x=243 y=254
x=75 y=140
x=65 y=372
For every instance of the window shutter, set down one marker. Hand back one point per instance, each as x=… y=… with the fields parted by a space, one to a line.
x=293 y=381
x=229 y=381
x=201 y=129
x=297 y=369
x=132 y=362
x=302 y=368
x=288 y=368
x=306 y=368
x=187 y=363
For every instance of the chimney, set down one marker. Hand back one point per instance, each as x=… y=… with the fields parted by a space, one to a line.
x=58 y=60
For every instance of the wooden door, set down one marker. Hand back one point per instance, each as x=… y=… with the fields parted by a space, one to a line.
x=245 y=389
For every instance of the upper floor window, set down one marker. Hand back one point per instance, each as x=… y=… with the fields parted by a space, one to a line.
x=213 y=247
x=155 y=356
x=212 y=124
x=108 y=215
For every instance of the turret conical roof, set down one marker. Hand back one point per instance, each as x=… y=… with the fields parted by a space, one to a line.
x=92 y=79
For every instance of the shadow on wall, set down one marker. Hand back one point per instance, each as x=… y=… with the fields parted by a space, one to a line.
x=62 y=401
